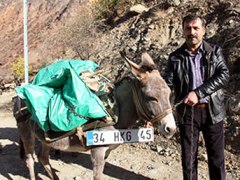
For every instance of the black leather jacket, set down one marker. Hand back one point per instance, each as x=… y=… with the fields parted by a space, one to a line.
x=216 y=77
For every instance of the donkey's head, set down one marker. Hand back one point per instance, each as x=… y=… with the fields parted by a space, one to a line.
x=152 y=95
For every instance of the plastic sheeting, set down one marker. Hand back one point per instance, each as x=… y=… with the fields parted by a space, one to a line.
x=58 y=99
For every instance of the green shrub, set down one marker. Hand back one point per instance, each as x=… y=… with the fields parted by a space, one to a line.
x=104 y=8
x=18 y=68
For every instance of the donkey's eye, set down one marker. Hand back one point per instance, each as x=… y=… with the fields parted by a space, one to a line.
x=151 y=98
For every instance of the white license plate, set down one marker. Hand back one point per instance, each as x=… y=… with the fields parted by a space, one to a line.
x=98 y=137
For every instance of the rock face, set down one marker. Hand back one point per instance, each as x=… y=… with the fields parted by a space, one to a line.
x=154 y=26
x=233 y=104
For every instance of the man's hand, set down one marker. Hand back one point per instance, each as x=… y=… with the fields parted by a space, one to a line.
x=191 y=99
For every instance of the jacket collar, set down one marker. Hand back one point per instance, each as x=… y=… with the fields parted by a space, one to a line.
x=206 y=47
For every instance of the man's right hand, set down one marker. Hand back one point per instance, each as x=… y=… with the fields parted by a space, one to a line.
x=191 y=99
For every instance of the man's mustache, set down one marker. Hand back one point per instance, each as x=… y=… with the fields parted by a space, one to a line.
x=191 y=36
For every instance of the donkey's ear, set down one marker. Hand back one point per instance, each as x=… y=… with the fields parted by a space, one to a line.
x=147 y=62
x=135 y=68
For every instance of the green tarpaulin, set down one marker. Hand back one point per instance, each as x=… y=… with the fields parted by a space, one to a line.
x=58 y=99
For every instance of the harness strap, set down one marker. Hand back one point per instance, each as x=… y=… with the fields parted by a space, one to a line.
x=20 y=111
x=141 y=110
x=138 y=104
x=161 y=116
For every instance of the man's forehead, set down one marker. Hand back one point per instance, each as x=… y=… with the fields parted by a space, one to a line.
x=193 y=22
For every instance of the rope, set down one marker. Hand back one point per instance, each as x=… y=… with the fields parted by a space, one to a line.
x=191 y=143
x=191 y=137
x=72 y=109
x=177 y=104
x=161 y=116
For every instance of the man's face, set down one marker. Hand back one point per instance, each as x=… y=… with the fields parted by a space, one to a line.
x=193 y=32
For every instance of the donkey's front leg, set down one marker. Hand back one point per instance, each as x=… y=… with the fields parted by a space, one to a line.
x=98 y=161
x=43 y=157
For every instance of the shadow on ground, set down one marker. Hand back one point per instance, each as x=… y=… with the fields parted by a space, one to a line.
x=9 y=153
x=111 y=170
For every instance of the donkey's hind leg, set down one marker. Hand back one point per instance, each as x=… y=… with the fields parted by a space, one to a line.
x=98 y=161
x=43 y=157
x=27 y=144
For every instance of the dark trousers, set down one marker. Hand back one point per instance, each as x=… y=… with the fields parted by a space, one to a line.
x=214 y=140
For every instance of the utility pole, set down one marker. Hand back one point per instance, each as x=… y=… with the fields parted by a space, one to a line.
x=25 y=32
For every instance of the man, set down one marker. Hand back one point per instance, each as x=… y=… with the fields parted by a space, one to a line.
x=197 y=72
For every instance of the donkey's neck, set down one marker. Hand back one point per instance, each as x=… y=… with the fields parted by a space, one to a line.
x=125 y=110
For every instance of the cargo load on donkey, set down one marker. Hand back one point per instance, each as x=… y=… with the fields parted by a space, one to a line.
x=67 y=94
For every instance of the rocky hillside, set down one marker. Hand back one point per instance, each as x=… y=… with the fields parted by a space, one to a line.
x=43 y=18
x=72 y=29
x=69 y=29
x=151 y=25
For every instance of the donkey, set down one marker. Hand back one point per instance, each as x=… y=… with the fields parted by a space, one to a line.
x=145 y=96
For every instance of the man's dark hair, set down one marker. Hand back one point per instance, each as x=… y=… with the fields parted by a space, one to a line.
x=191 y=17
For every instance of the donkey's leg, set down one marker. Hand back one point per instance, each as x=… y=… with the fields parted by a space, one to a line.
x=29 y=151
x=43 y=157
x=98 y=161
x=27 y=143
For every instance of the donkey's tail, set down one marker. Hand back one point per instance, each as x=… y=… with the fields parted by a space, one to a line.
x=19 y=109
x=22 y=150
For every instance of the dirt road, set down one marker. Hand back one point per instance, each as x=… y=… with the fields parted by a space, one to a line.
x=130 y=161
